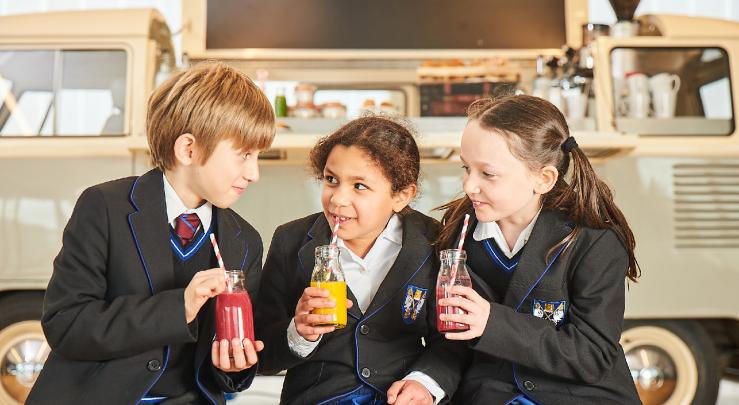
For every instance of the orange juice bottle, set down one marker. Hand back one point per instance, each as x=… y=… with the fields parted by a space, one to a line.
x=327 y=273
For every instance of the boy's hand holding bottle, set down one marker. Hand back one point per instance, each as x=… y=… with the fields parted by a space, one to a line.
x=203 y=286
x=235 y=356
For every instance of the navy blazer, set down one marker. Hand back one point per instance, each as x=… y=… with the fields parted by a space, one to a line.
x=111 y=309
x=555 y=334
x=376 y=348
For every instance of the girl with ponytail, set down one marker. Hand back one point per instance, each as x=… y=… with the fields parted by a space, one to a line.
x=548 y=256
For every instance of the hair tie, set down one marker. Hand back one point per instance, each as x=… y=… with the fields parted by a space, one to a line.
x=569 y=144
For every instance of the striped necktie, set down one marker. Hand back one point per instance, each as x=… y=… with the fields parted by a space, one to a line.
x=185 y=226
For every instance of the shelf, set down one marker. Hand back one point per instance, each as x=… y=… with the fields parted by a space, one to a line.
x=438 y=139
x=676 y=126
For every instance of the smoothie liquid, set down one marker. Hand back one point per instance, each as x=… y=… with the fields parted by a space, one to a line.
x=452 y=261
x=337 y=291
x=234 y=317
x=441 y=292
x=328 y=274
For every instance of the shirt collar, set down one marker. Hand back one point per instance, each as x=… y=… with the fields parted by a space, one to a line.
x=175 y=207
x=487 y=230
x=393 y=232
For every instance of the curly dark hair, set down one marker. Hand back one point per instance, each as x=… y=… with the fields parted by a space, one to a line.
x=389 y=144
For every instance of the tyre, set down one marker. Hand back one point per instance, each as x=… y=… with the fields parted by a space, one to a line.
x=23 y=348
x=672 y=362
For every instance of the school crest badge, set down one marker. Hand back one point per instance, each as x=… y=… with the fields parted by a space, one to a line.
x=415 y=297
x=551 y=310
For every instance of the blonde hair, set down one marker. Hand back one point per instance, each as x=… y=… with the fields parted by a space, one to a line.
x=212 y=102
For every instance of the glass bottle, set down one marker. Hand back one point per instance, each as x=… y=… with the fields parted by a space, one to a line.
x=451 y=259
x=234 y=317
x=280 y=103
x=327 y=273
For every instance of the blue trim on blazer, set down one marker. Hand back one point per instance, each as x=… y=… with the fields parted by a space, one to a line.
x=187 y=254
x=200 y=385
x=515 y=375
x=148 y=278
x=366 y=317
x=310 y=235
x=541 y=276
x=497 y=259
x=340 y=395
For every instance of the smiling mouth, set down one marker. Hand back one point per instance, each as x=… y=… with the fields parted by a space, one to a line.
x=477 y=203
x=339 y=219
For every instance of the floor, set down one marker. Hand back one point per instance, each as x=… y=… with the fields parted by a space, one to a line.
x=266 y=391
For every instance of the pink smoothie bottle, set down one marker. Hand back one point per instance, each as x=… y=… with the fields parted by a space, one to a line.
x=234 y=317
x=451 y=259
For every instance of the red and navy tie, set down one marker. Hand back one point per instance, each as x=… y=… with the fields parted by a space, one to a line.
x=185 y=226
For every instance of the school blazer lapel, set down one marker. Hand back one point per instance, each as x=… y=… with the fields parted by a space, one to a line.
x=319 y=234
x=231 y=240
x=150 y=230
x=549 y=229
x=415 y=252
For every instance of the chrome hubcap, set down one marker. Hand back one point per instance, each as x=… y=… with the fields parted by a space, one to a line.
x=654 y=373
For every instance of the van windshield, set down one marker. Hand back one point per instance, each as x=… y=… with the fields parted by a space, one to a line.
x=62 y=92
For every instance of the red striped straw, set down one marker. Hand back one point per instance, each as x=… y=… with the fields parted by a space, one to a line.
x=334 y=236
x=335 y=233
x=462 y=236
x=220 y=259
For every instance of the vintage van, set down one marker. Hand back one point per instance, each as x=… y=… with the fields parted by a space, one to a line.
x=73 y=88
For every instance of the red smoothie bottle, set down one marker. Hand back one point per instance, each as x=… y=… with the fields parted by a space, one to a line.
x=451 y=259
x=234 y=317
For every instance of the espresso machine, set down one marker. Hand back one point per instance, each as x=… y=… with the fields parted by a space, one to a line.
x=623 y=61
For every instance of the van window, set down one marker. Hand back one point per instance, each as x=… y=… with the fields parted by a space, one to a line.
x=62 y=92
x=672 y=91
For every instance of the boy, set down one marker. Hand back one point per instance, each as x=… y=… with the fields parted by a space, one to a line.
x=127 y=312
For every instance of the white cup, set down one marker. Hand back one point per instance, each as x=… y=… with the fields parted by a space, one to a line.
x=636 y=103
x=576 y=103
x=664 y=87
x=555 y=97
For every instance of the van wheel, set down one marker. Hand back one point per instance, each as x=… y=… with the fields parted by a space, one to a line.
x=23 y=347
x=671 y=362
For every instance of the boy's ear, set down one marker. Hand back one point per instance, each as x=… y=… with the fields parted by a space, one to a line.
x=402 y=198
x=545 y=179
x=184 y=149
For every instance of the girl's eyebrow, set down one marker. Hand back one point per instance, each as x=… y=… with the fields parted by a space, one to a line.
x=484 y=164
x=352 y=178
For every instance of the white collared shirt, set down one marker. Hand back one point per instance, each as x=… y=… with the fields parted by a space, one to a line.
x=363 y=277
x=487 y=230
x=175 y=207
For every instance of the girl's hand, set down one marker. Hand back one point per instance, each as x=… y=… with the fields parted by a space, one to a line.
x=244 y=354
x=312 y=298
x=408 y=392
x=478 y=311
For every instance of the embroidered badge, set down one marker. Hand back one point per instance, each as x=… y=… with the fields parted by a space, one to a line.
x=415 y=297
x=551 y=310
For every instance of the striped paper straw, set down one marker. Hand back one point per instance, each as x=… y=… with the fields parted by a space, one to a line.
x=220 y=260
x=217 y=251
x=462 y=236
x=335 y=234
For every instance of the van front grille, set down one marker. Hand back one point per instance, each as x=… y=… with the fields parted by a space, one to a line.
x=706 y=205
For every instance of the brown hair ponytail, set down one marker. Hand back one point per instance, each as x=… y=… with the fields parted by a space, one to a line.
x=536 y=131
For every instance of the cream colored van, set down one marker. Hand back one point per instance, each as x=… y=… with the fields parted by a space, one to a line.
x=73 y=90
